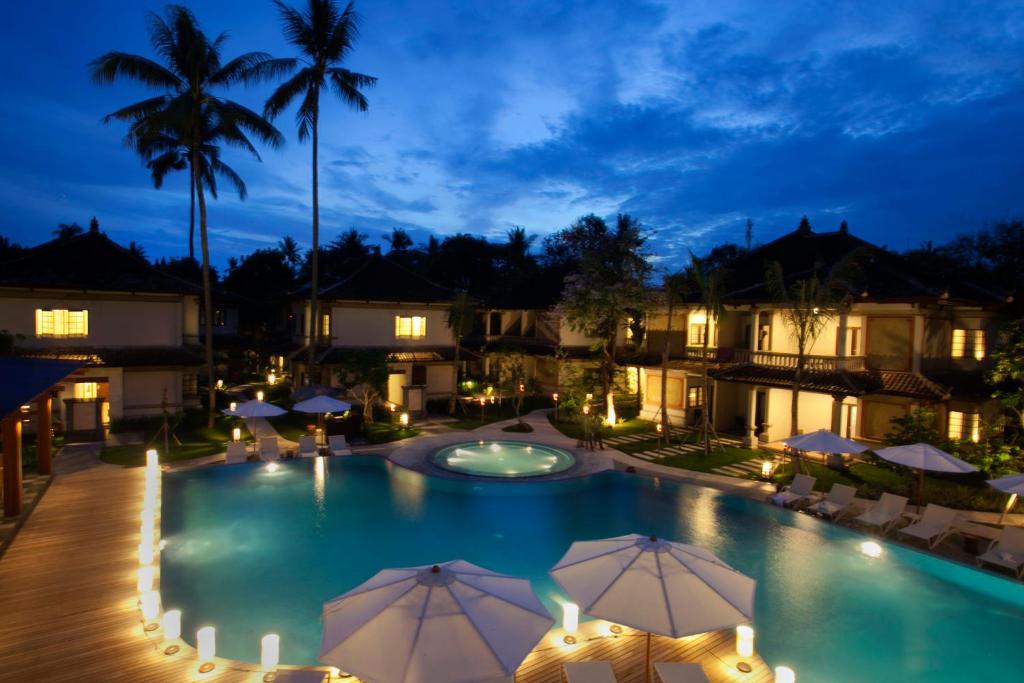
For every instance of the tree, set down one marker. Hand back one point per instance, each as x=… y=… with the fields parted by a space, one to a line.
x=510 y=365
x=9 y=249
x=8 y=341
x=349 y=244
x=264 y=278
x=608 y=282
x=1007 y=376
x=190 y=121
x=460 y=316
x=66 y=231
x=364 y=377
x=676 y=287
x=398 y=241
x=137 y=250
x=324 y=37
x=707 y=283
x=748 y=234
x=289 y=249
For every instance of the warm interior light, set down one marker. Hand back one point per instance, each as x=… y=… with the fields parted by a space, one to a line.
x=783 y=674
x=658 y=428
x=152 y=459
x=766 y=468
x=744 y=641
x=232 y=406
x=271 y=379
x=259 y=395
x=206 y=643
x=220 y=384
x=145 y=579
x=236 y=434
x=404 y=419
x=570 y=617
x=698 y=318
x=172 y=624
x=270 y=651
x=871 y=549
x=150 y=605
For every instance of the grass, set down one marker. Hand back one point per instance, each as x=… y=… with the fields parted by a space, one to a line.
x=572 y=428
x=719 y=457
x=495 y=412
x=678 y=439
x=383 y=432
x=871 y=481
x=292 y=425
x=196 y=441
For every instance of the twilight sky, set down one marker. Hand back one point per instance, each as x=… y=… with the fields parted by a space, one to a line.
x=903 y=118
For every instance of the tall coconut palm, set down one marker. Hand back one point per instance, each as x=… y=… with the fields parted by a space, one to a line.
x=707 y=284
x=189 y=122
x=676 y=287
x=325 y=36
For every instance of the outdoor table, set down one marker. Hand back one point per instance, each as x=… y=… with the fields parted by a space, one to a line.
x=974 y=533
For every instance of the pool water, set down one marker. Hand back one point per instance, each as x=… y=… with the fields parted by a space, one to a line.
x=508 y=459
x=253 y=552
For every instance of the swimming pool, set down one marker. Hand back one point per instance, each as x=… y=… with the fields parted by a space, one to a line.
x=507 y=459
x=253 y=552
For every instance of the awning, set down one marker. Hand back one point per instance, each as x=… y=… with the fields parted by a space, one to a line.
x=24 y=379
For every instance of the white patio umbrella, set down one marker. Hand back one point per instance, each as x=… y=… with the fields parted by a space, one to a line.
x=924 y=456
x=449 y=623
x=321 y=404
x=255 y=408
x=824 y=441
x=1012 y=484
x=654 y=585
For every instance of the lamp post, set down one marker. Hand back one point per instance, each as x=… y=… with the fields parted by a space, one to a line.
x=483 y=402
x=554 y=397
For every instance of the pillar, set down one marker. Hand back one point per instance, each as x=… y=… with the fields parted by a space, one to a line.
x=10 y=431
x=44 y=434
x=837 y=413
x=750 y=439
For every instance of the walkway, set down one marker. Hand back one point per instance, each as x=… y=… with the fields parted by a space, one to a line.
x=68 y=600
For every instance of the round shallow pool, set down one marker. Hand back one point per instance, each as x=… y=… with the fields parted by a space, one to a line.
x=508 y=459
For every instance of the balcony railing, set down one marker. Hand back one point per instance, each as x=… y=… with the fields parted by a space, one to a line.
x=774 y=359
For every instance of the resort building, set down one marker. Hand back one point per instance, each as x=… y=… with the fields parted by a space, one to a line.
x=379 y=304
x=898 y=339
x=87 y=299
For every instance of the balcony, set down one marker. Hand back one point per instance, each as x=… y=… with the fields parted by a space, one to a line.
x=773 y=359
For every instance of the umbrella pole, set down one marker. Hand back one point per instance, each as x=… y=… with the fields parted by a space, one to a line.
x=647 y=661
x=920 y=488
x=1009 y=506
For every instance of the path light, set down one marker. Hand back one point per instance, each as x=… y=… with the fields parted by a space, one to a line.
x=152 y=459
x=259 y=395
x=206 y=645
x=236 y=434
x=744 y=641
x=766 y=469
x=403 y=419
x=570 y=621
x=271 y=379
x=145 y=579
x=232 y=406
x=586 y=410
x=150 y=605
x=270 y=651
x=871 y=549
x=783 y=674
x=220 y=384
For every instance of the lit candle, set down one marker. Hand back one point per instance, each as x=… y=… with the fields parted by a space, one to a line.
x=570 y=616
x=744 y=641
x=172 y=624
x=206 y=643
x=150 y=604
x=783 y=674
x=270 y=651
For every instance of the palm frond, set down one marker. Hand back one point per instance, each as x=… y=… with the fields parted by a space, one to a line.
x=112 y=65
x=250 y=121
x=228 y=173
x=252 y=67
x=137 y=110
x=306 y=116
x=297 y=29
x=346 y=85
x=287 y=92
x=160 y=166
x=344 y=33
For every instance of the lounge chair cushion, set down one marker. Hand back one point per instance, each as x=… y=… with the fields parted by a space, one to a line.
x=680 y=672
x=589 y=672
x=1007 y=551
x=236 y=453
x=307 y=447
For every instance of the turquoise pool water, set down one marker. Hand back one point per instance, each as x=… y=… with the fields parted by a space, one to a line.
x=253 y=552
x=507 y=459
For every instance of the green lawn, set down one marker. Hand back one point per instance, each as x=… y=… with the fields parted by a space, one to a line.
x=384 y=432
x=573 y=430
x=678 y=439
x=494 y=412
x=719 y=457
x=196 y=441
x=871 y=481
x=292 y=425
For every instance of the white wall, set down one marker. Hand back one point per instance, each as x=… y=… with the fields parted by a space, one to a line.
x=365 y=326
x=144 y=391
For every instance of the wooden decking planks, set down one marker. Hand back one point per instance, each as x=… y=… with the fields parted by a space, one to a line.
x=68 y=604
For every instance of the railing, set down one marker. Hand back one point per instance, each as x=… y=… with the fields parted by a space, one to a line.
x=774 y=359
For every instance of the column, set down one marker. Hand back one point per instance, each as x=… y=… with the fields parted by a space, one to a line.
x=44 y=434
x=11 y=440
x=750 y=439
x=837 y=413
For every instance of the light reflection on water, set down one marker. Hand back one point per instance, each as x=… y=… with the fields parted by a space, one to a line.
x=254 y=554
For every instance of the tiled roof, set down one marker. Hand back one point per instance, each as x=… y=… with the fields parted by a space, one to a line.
x=377 y=278
x=120 y=357
x=90 y=261
x=907 y=384
x=912 y=384
x=396 y=354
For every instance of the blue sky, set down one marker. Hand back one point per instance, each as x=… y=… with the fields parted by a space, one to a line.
x=903 y=118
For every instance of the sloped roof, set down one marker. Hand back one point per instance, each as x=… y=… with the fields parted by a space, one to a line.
x=378 y=278
x=90 y=261
x=396 y=354
x=118 y=357
x=890 y=382
x=26 y=378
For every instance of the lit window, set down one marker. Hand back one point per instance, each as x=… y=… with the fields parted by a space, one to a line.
x=190 y=384
x=697 y=329
x=695 y=397
x=61 y=322
x=964 y=426
x=325 y=326
x=410 y=327
x=86 y=391
x=968 y=344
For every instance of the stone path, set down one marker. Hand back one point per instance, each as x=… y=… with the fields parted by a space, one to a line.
x=683 y=449
x=78 y=457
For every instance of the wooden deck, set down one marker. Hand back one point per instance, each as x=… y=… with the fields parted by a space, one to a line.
x=68 y=605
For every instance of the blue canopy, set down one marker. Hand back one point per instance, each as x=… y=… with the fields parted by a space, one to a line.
x=24 y=379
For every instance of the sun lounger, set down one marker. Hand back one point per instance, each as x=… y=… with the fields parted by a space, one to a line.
x=885 y=513
x=935 y=524
x=797 y=493
x=337 y=445
x=1007 y=551
x=307 y=447
x=269 y=449
x=588 y=672
x=237 y=452
x=680 y=672
x=836 y=503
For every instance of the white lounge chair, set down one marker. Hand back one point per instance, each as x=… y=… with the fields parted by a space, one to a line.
x=269 y=449
x=680 y=672
x=588 y=672
x=935 y=524
x=885 y=513
x=836 y=503
x=800 y=491
x=237 y=452
x=1007 y=551
x=307 y=447
x=337 y=445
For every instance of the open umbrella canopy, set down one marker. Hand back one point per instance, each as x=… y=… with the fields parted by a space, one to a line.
x=824 y=441
x=255 y=408
x=449 y=623
x=322 y=404
x=1012 y=484
x=654 y=585
x=923 y=456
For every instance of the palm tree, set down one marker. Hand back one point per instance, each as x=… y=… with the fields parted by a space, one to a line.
x=676 y=288
x=517 y=247
x=707 y=284
x=66 y=231
x=325 y=37
x=188 y=122
x=398 y=241
x=461 y=314
x=289 y=249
